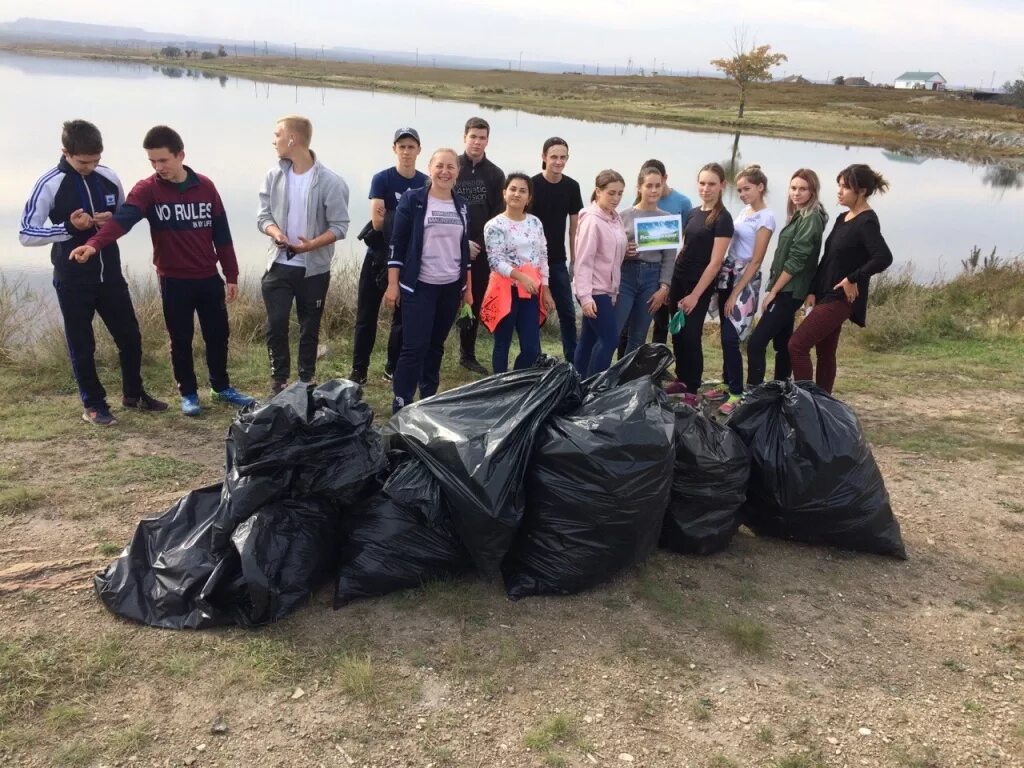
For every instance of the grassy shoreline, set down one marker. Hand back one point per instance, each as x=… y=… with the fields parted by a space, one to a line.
x=835 y=114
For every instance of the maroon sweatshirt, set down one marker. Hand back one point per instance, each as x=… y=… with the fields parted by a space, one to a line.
x=187 y=222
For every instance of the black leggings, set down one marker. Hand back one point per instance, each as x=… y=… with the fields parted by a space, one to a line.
x=775 y=326
x=687 y=345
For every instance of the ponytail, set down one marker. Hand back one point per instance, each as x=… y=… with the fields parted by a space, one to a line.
x=862 y=178
x=716 y=211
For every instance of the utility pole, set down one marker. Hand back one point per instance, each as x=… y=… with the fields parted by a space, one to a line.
x=417 y=57
x=295 y=50
x=520 y=61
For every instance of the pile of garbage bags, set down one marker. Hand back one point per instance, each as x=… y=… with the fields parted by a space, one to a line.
x=549 y=482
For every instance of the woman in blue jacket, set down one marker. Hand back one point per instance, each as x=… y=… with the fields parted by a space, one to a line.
x=427 y=276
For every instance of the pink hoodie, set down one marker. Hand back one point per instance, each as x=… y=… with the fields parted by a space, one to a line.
x=600 y=249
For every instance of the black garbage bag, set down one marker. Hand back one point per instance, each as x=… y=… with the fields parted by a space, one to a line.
x=812 y=476
x=252 y=550
x=596 y=491
x=646 y=360
x=403 y=537
x=159 y=577
x=709 y=485
x=476 y=440
x=304 y=442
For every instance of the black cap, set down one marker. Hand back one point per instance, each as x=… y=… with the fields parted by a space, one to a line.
x=401 y=133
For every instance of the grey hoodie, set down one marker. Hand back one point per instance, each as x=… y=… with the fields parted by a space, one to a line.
x=327 y=208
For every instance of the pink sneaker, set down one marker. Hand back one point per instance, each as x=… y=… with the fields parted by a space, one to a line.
x=675 y=387
x=690 y=399
x=716 y=394
x=730 y=405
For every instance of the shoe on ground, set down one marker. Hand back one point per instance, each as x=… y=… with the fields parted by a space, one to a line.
x=190 y=405
x=675 y=387
x=470 y=364
x=277 y=386
x=99 y=416
x=730 y=405
x=716 y=394
x=359 y=377
x=144 y=402
x=388 y=375
x=231 y=396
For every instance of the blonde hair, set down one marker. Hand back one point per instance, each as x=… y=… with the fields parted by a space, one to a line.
x=441 y=151
x=300 y=126
x=813 y=203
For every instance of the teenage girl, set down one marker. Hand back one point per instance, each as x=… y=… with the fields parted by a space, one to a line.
x=854 y=251
x=600 y=249
x=793 y=266
x=706 y=237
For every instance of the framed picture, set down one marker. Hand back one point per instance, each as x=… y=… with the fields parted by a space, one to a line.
x=658 y=232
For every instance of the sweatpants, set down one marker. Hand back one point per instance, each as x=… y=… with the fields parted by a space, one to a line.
x=112 y=302
x=523 y=319
x=598 y=338
x=820 y=330
x=428 y=315
x=687 y=345
x=775 y=327
x=282 y=285
x=480 y=274
x=364 y=338
x=183 y=299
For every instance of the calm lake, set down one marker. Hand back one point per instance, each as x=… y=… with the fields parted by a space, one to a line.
x=935 y=212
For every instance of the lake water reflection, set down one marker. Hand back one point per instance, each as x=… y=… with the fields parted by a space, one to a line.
x=936 y=211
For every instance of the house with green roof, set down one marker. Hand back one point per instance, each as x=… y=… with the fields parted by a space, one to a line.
x=928 y=81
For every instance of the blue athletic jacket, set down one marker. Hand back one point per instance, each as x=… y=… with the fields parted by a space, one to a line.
x=407 y=235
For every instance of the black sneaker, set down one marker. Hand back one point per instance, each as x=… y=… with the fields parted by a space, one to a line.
x=144 y=402
x=99 y=416
x=359 y=377
x=277 y=386
x=471 y=364
x=388 y=375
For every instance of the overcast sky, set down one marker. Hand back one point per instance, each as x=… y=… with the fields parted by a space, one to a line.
x=967 y=42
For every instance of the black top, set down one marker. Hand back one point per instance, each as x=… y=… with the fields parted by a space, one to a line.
x=856 y=250
x=480 y=186
x=699 y=242
x=552 y=204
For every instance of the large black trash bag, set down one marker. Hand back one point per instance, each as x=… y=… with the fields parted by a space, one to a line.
x=159 y=577
x=254 y=550
x=476 y=440
x=709 y=485
x=304 y=442
x=812 y=477
x=646 y=360
x=403 y=537
x=596 y=490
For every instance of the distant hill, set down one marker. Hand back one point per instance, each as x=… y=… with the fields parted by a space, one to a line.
x=51 y=30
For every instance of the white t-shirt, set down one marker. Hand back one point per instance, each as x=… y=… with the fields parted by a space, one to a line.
x=295 y=227
x=745 y=227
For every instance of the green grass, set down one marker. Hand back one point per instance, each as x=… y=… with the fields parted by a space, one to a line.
x=76 y=753
x=701 y=710
x=1005 y=588
x=143 y=470
x=747 y=636
x=801 y=760
x=765 y=735
x=557 y=730
x=129 y=741
x=14 y=501
x=358 y=677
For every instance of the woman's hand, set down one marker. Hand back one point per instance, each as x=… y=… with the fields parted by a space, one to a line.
x=528 y=284
x=549 y=303
x=850 y=290
x=392 y=297
x=688 y=302
x=467 y=295
x=631 y=249
x=658 y=300
x=730 y=304
x=767 y=301
x=809 y=302
x=590 y=310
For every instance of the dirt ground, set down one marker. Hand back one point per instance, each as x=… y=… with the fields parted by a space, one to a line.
x=770 y=654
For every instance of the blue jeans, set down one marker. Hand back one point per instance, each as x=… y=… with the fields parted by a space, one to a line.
x=638 y=284
x=427 y=317
x=598 y=339
x=524 y=319
x=560 y=287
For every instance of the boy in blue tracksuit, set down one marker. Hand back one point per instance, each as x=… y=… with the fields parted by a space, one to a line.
x=67 y=205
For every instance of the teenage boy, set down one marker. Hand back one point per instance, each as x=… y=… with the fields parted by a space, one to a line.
x=190 y=234
x=303 y=210
x=557 y=199
x=386 y=189
x=675 y=202
x=78 y=196
x=480 y=184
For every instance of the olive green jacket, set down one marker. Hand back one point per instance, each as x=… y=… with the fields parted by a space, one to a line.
x=797 y=252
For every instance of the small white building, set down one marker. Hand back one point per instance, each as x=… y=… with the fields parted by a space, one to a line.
x=928 y=81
